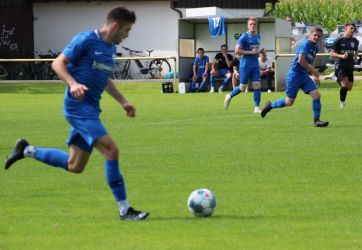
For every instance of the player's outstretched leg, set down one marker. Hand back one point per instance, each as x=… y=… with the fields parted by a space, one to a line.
x=266 y=109
x=17 y=153
x=280 y=103
x=228 y=97
x=50 y=156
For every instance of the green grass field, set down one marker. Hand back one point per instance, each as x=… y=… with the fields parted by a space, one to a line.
x=280 y=183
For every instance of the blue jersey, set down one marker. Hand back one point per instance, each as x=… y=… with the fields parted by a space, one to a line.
x=201 y=63
x=91 y=63
x=309 y=50
x=248 y=42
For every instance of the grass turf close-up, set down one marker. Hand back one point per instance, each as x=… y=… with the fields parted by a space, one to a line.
x=280 y=183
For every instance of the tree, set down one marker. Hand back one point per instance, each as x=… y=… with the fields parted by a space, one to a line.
x=328 y=13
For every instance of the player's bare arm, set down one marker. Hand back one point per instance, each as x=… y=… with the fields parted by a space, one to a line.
x=59 y=65
x=240 y=51
x=117 y=95
x=340 y=56
x=206 y=69
x=303 y=62
x=195 y=75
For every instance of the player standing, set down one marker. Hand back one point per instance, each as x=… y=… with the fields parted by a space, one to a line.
x=86 y=65
x=298 y=78
x=345 y=49
x=248 y=47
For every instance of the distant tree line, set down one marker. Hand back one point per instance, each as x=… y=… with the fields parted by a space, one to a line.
x=328 y=13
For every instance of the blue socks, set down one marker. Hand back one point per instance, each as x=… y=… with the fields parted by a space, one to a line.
x=226 y=82
x=235 y=92
x=53 y=157
x=257 y=96
x=202 y=86
x=115 y=180
x=212 y=81
x=280 y=103
x=317 y=108
x=193 y=86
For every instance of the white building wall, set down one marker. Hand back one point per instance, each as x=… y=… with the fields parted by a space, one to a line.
x=156 y=26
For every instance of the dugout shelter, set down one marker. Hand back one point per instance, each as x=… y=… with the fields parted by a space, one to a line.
x=195 y=33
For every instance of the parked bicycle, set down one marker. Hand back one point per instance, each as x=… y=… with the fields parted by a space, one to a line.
x=36 y=70
x=3 y=73
x=149 y=68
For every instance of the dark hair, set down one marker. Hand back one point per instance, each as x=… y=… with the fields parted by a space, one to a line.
x=315 y=29
x=200 y=49
x=121 y=15
x=351 y=24
x=224 y=45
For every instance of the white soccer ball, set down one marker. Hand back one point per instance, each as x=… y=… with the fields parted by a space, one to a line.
x=202 y=202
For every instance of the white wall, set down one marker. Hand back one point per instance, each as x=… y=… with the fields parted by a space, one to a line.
x=56 y=23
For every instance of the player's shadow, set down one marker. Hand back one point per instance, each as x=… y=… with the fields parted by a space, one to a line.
x=213 y=217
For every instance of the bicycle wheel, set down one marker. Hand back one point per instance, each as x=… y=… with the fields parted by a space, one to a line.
x=120 y=71
x=3 y=73
x=117 y=72
x=159 y=68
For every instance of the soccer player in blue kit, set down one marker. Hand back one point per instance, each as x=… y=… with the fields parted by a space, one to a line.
x=85 y=65
x=248 y=47
x=200 y=70
x=298 y=78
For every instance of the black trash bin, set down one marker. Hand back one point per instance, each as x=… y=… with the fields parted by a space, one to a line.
x=167 y=87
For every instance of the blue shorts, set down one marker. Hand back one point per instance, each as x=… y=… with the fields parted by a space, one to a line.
x=297 y=81
x=85 y=132
x=223 y=72
x=252 y=73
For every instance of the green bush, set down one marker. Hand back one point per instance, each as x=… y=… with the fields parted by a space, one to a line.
x=328 y=13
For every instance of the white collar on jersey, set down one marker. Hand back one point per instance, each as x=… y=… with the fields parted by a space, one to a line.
x=98 y=35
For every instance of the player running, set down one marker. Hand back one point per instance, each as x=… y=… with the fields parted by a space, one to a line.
x=248 y=47
x=85 y=65
x=298 y=78
x=345 y=49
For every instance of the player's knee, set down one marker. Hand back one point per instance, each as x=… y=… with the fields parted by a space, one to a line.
x=256 y=86
x=75 y=168
x=112 y=153
x=228 y=75
x=316 y=96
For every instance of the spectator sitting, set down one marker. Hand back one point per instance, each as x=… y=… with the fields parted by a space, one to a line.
x=200 y=70
x=266 y=69
x=224 y=68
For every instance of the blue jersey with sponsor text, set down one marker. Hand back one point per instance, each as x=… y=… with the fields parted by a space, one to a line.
x=91 y=63
x=201 y=63
x=309 y=50
x=248 y=42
